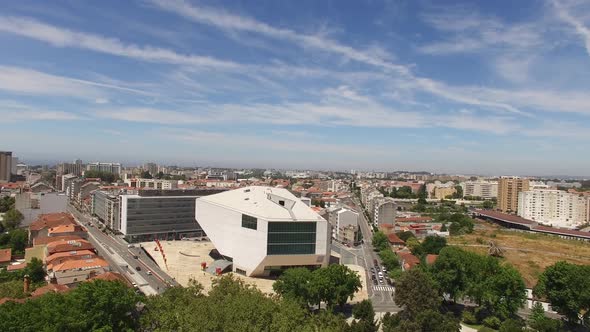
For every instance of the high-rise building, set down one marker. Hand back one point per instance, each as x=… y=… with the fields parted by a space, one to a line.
x=76 y=168
x=114 y=168
x=553 y=207
x=151 y=168
x=5 y=166
x=483 y=189
x=508 y=189
x=384 y=211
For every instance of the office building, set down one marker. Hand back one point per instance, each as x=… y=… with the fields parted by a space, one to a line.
x=5 y=166
x=114 y=168
x=553 y=207
x=508 y=189
x=483 y=189
x=150 y=214
x=384 y=211
x=264 y=230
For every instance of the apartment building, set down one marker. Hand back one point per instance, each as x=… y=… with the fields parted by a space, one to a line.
x=483 y=189
x=554 y=207
x=443 y=191
x=345 y=225
x=114 y=168
x=384 y=211
x=106 y=207
x=5 y=166
x=152 y=183
x=264 y=230
x=508 y=190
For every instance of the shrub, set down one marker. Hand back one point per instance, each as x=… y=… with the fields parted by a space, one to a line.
x=479 y=240
x=511 y=325
x=493 y=322
x=469 y=318
x=486 y=329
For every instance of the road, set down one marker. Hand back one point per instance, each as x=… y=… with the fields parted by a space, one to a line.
x=381 y=294
x=150 y=279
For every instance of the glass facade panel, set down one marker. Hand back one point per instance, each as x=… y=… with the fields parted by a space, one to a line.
x=249 y=222
x=291 y=238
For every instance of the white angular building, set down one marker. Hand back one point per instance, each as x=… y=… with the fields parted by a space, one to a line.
x=483 y=189
x=556 y=208
x=264 y=230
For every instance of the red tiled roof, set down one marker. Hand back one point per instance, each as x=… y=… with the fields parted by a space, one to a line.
x=561 y=231
x=50 y=288
x=505 y=217
x=79 y=254
x=394 y=239
x=65 y=229
x=408 y=259
x=5 y=255
x=111 y=276
x=413 y=219
x=41 y=240
x=15 y=267
x=72 y=245
x=81 y=264
x=51 y=220
x=431 y=258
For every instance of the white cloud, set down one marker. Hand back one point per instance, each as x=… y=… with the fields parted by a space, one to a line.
x=61 y=37
x=12 y=111
x=28 y=81
x=374 y=56
x=564 y=14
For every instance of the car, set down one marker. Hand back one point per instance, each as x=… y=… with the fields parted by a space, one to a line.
x=149 y=273
x=374 y=281
x=130 y=246
x=135 y=256
x=383 y=269
x=375 y=262
x=138 y=268
x=134 y=285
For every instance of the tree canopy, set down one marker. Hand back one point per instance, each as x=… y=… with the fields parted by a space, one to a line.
x=12 y=219
x=104 y=176
x=6 y=203
x=15 y=239
x=380 y=241
x=567 y=287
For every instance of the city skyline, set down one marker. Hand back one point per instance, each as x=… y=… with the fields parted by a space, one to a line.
x=453 y=88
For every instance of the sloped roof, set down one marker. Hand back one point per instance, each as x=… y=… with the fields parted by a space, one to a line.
x=5 y=255
x=262 y=202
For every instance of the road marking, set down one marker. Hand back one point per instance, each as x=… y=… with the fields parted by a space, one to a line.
x=384 y=288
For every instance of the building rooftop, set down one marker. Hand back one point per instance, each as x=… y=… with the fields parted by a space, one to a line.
x=264 y=202
x=52 y=220
x=15 y=267
x=43 y=240
x=5 y=255
x=70 y=228
x=76 y=254
x=81 y=264
x=50 y=288
x=71 y=245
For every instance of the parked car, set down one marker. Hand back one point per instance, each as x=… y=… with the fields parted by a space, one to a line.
x=138 y=268
x=149 y=273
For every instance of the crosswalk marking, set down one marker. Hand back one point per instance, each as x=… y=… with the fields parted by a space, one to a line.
x=384 y=288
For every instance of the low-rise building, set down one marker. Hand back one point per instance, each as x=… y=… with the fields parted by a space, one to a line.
x=344 y=222
x=75 y=271
x=61 y=257
x=152 y=183
x=67 y=246
x=5 y=256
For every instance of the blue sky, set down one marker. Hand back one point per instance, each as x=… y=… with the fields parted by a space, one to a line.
x=499 y=87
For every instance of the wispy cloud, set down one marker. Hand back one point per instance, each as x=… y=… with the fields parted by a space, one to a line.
x=564 y=14
x=12 y=111
x=61 y=37
x=232 y=22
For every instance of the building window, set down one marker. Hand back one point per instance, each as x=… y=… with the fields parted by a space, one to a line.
x=240 y=271
x=291 y=238
x=249 y=222
x=282 y=203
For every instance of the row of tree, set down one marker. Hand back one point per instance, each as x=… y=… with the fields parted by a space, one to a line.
x=497 y=288
x=104 y=176
x=15 y=239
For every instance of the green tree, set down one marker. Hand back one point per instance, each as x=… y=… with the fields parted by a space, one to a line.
x=452 y=272
x=18 y=240
x=389 y=259
x=567 y=287
x=12 y=219
x=6 y=203
x=541 y=323
x=416 y=292
x=390 y=322
x=363 y=311
x=380 y=241
x=511 y=325
x=295 y=284
x=405 y=235
x=336 y=284
x=35 y=270
x=146 y=175
x=431 y=245
x=487 y=204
